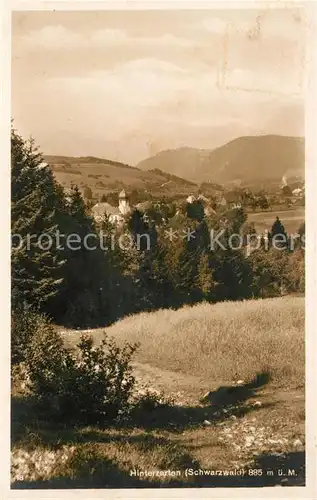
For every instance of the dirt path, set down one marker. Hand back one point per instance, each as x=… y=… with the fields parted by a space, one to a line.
x=184 y=389
x=188 y=389
x=266 y=430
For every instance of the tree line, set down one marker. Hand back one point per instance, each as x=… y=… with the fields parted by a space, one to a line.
x=86 y=287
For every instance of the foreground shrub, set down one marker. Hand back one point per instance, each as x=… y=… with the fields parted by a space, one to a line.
x=25 y=323
x=104 y=378
x=149 y=400
x=150 y=407
x=89 y=385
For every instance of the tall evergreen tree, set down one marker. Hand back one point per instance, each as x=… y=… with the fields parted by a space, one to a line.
x=155 y=276
x=270 y=272
x=279 y=234
x=37 y=205
x=233 y=275
x=205 y=279
x=85 y=295
x=248 y=231
x=195 y=210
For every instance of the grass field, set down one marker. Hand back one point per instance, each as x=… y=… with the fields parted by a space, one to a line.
x=291 y=219
x=222 y=342
x=258 y=425
x=103 y=176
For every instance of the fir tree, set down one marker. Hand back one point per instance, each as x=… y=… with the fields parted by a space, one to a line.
x=205 y=280
x=248 y=232
x=86 y=286
x=195 y=210
x=270 y=272
x=233 y=275
x=155 y=277
x=278 y=236
x=36 y=211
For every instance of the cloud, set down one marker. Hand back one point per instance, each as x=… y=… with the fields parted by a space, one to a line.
x=52 y=38
x=151 y=65
x=118 y=112
x=155 y=96
x=76 y=97
x=58 y=37
x=230 y=23
x=261 y=81
x=138 y=84
x=214 y=25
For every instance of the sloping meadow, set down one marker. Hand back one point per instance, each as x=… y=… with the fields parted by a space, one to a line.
x=226 y=341
x=215 y=343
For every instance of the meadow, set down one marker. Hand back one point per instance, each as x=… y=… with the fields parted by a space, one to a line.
x=221 y=342
x=250 y=358
x=104 y=176
x=291 y=219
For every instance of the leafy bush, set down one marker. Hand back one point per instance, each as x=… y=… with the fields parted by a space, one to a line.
x=104 y=378
x=25 y=323
x=147 y=406
x=296 y=271
x=91 y=385
x=149 y=400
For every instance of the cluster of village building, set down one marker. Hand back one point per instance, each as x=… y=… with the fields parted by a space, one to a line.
x=117 y=214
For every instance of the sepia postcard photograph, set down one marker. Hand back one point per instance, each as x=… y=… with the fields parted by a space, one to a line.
x=158 y=248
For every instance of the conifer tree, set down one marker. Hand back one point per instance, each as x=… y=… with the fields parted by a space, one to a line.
x=85 y=290
x=270 y=271
x=279 y=234
x=205 y=280
x=187 y=269
x=233 y=275
x=154 y=272
x=36 y=209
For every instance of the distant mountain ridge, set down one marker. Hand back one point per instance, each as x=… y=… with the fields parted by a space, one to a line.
x=248 y=160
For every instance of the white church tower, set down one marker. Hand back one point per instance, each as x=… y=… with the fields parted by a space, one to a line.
x=124 y=206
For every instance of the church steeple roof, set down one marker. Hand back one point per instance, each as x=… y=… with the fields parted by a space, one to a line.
x=122 y=194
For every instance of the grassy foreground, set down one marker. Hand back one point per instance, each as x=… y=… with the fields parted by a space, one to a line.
x=222 y=342
x=195 y=349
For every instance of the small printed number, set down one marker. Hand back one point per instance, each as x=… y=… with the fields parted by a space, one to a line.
x=255 y=472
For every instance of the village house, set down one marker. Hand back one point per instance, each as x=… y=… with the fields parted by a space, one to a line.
x=144 y=208
x=208 y=210
x=298 y=192
x=230 y=200
x=116 y=215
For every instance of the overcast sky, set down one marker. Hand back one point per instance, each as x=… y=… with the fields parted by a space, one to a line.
x=125 y=85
